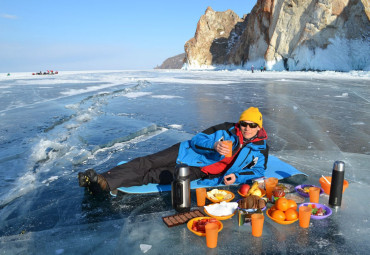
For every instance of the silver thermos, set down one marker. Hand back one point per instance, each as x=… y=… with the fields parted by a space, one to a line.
x=336 y=187
x=180 y=189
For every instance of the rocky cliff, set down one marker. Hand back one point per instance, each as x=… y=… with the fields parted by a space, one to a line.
x=285 y=34
x=175 y=62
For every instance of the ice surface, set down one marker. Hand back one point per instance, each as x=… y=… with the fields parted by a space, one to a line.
x=52 y=127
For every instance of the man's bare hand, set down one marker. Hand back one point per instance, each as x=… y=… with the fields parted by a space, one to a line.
x=229 y=179
x=221 y=148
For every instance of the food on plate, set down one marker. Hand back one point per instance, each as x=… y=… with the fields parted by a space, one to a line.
x=247 y=190
x=284 y=211
x=278 y=192
x=253 y=189
x=317 y=211
x=252 y=202
x=282 y=204
x=199 y=225
x=292 y=204
x=244 y=188
x=296 y=198
x=286 y=187
x=222 y=209
x=216 y=194
x=305 y=189
x=257 y=193
x=278 y=215
x=273 y=208
x=291 y=214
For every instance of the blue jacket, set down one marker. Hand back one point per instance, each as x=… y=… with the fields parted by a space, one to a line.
x=250 y=162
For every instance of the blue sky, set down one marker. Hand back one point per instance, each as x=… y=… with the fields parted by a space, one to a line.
x=99 y=35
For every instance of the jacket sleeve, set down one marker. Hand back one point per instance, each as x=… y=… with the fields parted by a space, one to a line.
x=203 y=143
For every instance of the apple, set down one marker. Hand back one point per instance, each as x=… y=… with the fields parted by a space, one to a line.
x=244 y=188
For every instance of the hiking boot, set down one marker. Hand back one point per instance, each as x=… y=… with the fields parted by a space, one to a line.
x=88 y=177
x=95 y=183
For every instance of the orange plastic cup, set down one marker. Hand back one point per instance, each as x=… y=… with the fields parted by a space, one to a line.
x=257 y=224
x=230 y=145
x=211 y=234
x=201 y=196
x=314 y=193
x=270 y=184
x=304 y=216
x=326 y=186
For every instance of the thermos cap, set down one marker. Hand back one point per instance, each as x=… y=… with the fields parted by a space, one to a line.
x=182 y=170
x=338 y=166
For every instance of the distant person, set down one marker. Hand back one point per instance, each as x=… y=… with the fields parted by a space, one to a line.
x=204 y=154
x=252 y=68
x=261 y=69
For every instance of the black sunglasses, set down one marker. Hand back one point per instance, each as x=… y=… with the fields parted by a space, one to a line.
x=245 y=124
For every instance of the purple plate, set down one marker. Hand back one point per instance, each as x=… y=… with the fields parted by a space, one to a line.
x=303 y=194
x=250 y=210
x=327 y=209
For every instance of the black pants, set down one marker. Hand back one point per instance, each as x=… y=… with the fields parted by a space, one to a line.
x=155 y=168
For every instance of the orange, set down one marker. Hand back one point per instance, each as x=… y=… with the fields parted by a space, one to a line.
x=278 y=215
x=292 y=204
x=273 y=208
x=282 y=204
x=291 y=214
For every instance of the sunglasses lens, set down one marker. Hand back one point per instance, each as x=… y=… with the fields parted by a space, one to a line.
x=251 y=125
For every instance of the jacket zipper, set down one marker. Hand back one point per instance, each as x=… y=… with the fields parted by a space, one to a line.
x=245 y=157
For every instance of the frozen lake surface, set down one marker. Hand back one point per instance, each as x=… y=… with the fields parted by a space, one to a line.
x=52 y=127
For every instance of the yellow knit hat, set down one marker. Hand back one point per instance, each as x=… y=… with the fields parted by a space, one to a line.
x=252 y=114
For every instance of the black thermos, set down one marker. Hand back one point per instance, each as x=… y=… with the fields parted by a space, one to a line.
x=180 y=189
x=336 y=187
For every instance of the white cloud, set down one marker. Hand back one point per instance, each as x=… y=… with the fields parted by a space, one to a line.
x=8 y=16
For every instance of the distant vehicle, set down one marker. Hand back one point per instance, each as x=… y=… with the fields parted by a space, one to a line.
x=46 y=73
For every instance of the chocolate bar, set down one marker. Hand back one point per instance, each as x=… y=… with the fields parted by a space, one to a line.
x=181 y=218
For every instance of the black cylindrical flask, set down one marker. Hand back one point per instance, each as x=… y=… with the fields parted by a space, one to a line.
x=180 y=190
x=336 y=187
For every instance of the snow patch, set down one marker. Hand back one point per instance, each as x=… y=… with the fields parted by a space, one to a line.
x=360 y=123
x=137 y=94
x=165 y=96
x=175 y=126
x=50 y=179
x=145 y=247
x=343 y=95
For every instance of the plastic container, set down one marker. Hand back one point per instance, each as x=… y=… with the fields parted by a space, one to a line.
x=326 y=187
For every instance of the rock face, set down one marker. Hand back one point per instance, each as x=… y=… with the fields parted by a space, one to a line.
x=286 y=34
x=214 y=38
x=175 y=62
